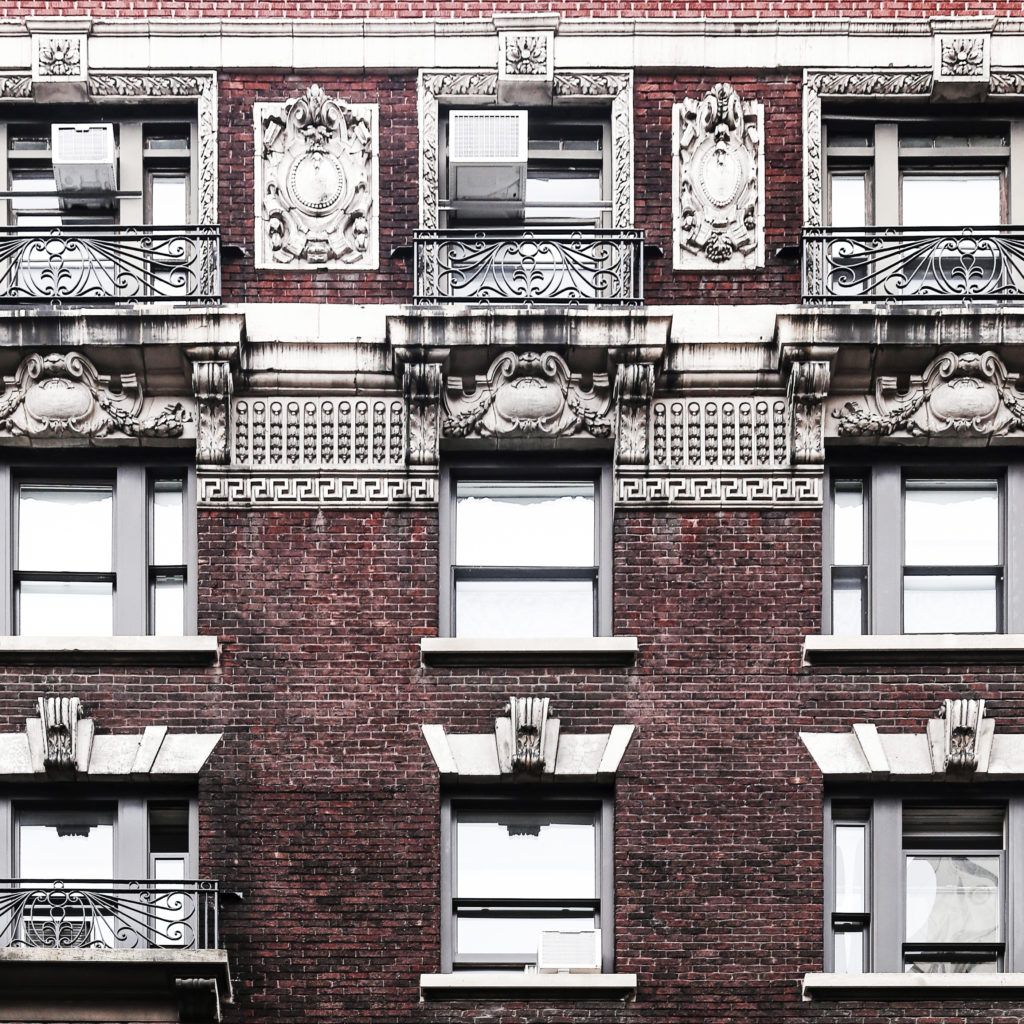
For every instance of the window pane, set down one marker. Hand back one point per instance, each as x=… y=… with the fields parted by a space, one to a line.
x=509 y=935
x=949 y=604
x=949 y=199
x=848 y=523
x=531 y=523
x=520 y=857
x=524 y=608
x=168 y=828
x=168 y=520
x=169 y=199
x=65 y=529
x=850 y=869
x=28 y=211
x=849 y=200
x=78 y=848
x=847 y=607
x=574 y=187
x=953 y=899
x=952 y=522
x=49 y=608
x=168 y=606
x=849 y=952
x=951 y=966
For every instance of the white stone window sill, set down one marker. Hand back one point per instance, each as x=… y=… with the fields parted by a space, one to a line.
x=584 y=985
x=918 y=648
x=590 y=650
x=910 y=986
x=131 y=650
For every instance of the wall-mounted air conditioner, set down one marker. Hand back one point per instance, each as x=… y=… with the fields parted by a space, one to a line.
x=570 y=952
x=487 y=152
x=84 y=158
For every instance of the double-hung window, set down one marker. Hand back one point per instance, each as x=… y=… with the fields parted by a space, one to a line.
x=101 y=553
x=520 y=874
x=526 y=554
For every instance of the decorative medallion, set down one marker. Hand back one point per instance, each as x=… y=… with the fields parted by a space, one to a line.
x=316 y=174
x=962 y=56
x=60 y=57
x=718 y=173
x=526 y=54
x=961 y=65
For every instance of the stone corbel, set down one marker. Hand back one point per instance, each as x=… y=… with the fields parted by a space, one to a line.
x=422 y=381
x=526 y=58
x=962 y=63
x=60 y=59
x=806 y=392
x=213 y=385
x=634 y=390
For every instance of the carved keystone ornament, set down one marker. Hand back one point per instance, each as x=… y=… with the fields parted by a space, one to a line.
x=63 y=395
x=962 y=719
x=59 y=717
x=719 y=182
x=316 y=171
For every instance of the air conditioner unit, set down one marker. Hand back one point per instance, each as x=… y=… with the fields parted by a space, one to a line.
x=84 y=158
x=487 y=153
x=570 y=952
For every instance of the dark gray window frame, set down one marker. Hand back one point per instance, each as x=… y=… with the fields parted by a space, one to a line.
x=885 y=860
x=884 y=480
x=491 y=800
x=528 y=468
x=131 y=478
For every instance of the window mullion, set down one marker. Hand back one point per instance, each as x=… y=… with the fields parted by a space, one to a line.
x=887 y=887
x=131 y=515
x=1014 y=883
x=7 y=554
x=885 y=582
x=887 y=174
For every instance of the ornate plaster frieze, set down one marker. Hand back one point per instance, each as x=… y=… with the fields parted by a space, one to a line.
x=806 y=393
x=316 y=183
x=422 y=383
x=780 y=489
x=481 y=88
x=264 y=489
x=62 y=395
x=718 y=182
x=634 y=390
x=963 y=395
x=528 y=394
x=212 y=384
x=528 y=744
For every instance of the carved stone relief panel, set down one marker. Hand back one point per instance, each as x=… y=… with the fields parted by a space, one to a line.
x=212 y=383
x=62 y=395
x=718 y=182
x=526 y=66
x=959 y=395
x=60 y=65
x=962 y=64
x=806 y=393
x=316 y=184
x=529 y=394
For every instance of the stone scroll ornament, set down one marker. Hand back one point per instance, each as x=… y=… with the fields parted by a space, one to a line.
x=967 y=394
x=530 y=394
x=719 y=182
x=62 y=395
x=317 y=170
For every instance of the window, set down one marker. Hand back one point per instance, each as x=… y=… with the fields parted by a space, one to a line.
x=921 y=886
x=100 y=553
x=517 y=869
x=526 y=555
x=911 y=551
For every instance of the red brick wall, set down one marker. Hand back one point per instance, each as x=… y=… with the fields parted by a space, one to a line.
x=321 y=803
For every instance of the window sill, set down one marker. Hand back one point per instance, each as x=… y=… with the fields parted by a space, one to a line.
x=121 y=650
x=910 y=986
x=614 y=986
x=596 y=650
x=917 y=649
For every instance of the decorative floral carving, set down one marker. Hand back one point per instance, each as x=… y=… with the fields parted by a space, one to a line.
x=963 y=56
x=720 y=168
x=966 y=395
x=60 y=57
x=807 y=390
x=422 y=383
x=526 y=55
x=634 y=389
x=528 y=395
x=316 y=171
x=62 y=395
x=212 y=384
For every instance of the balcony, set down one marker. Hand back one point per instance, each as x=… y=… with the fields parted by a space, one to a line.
x=96 y=941
x=910 y=265
x=517 y=266
x=109 y=264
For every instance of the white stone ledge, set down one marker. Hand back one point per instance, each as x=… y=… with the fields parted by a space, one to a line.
x=917 y=649
x=596 y=650
x=571 y=985
x=911 y=986
x=129 y=650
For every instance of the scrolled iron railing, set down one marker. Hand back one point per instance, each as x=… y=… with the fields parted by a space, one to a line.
x=110 y=263
x=557 y=266
x=103 y=914
x=904 y=264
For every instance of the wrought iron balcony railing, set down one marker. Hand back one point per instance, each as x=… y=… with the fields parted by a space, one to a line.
x=898 y=264
x=148 y=914
x=138 y=263
x=546 y=266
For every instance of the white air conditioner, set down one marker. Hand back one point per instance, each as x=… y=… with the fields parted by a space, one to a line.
x=84 y=158
x=570 y=952
x=487 y=153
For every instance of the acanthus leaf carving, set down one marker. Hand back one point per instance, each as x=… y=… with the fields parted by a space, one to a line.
x=60 y=56
x=63 y=395
x=317 y=179
x=422 y=385
x=719 y=167
x=806 y=392
x=962 y=56
x=526 y=54
x=528 y=394
x=634 y=390
x=962 y=395
x=212 y=384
